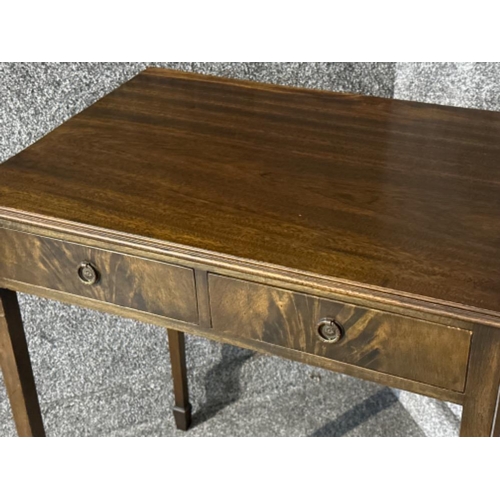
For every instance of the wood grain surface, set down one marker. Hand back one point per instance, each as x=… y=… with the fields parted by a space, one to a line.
x=387 y=343
x=387 y=193
x=141 y=284
x=239 y=341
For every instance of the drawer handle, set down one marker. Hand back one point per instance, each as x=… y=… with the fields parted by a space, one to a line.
x=329 y=330
x=87 y=273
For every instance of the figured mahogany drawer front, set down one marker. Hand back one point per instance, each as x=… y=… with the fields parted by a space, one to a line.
x=397 y=345
x=141 y=284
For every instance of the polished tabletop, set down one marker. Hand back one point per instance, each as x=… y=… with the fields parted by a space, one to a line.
x=391 y=194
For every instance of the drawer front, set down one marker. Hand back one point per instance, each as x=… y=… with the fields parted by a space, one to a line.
x=141 y=284
x=397 y=345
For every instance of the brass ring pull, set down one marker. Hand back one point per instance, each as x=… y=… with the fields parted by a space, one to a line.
x=87 y=273
x=329 y=330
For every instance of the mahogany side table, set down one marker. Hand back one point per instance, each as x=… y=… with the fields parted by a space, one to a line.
x=353 y=233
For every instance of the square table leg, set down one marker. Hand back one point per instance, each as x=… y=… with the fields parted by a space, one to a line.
x=182 y=408
x=482 y=393
x=16 y=368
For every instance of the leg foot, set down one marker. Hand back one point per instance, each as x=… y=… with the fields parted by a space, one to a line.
x=182 y=417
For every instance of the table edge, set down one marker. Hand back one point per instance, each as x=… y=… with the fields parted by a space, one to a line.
x=62 y=229
x=284 y=88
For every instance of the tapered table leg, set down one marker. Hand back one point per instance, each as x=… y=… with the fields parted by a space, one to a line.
x=182 y=408
x=16 y=368
x=481 y=413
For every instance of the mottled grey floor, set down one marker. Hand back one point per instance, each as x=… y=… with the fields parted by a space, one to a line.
x=102 y=375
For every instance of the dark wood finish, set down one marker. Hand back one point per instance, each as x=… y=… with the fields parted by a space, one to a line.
x=387 y=193
x=406 y=304
x=203 y=302
x=16 y=368
x=387 y=343
x=127 y=281
x=182 y=408
x=300 y=204
x=481 y=405
x=247 y=343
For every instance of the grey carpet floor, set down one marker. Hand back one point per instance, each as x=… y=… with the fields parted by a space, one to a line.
x=101 y=375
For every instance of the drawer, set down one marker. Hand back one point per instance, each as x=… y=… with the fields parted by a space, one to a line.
x=141 y=284
x=389 y=343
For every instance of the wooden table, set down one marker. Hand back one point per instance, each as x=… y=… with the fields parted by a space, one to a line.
x=357 y=234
